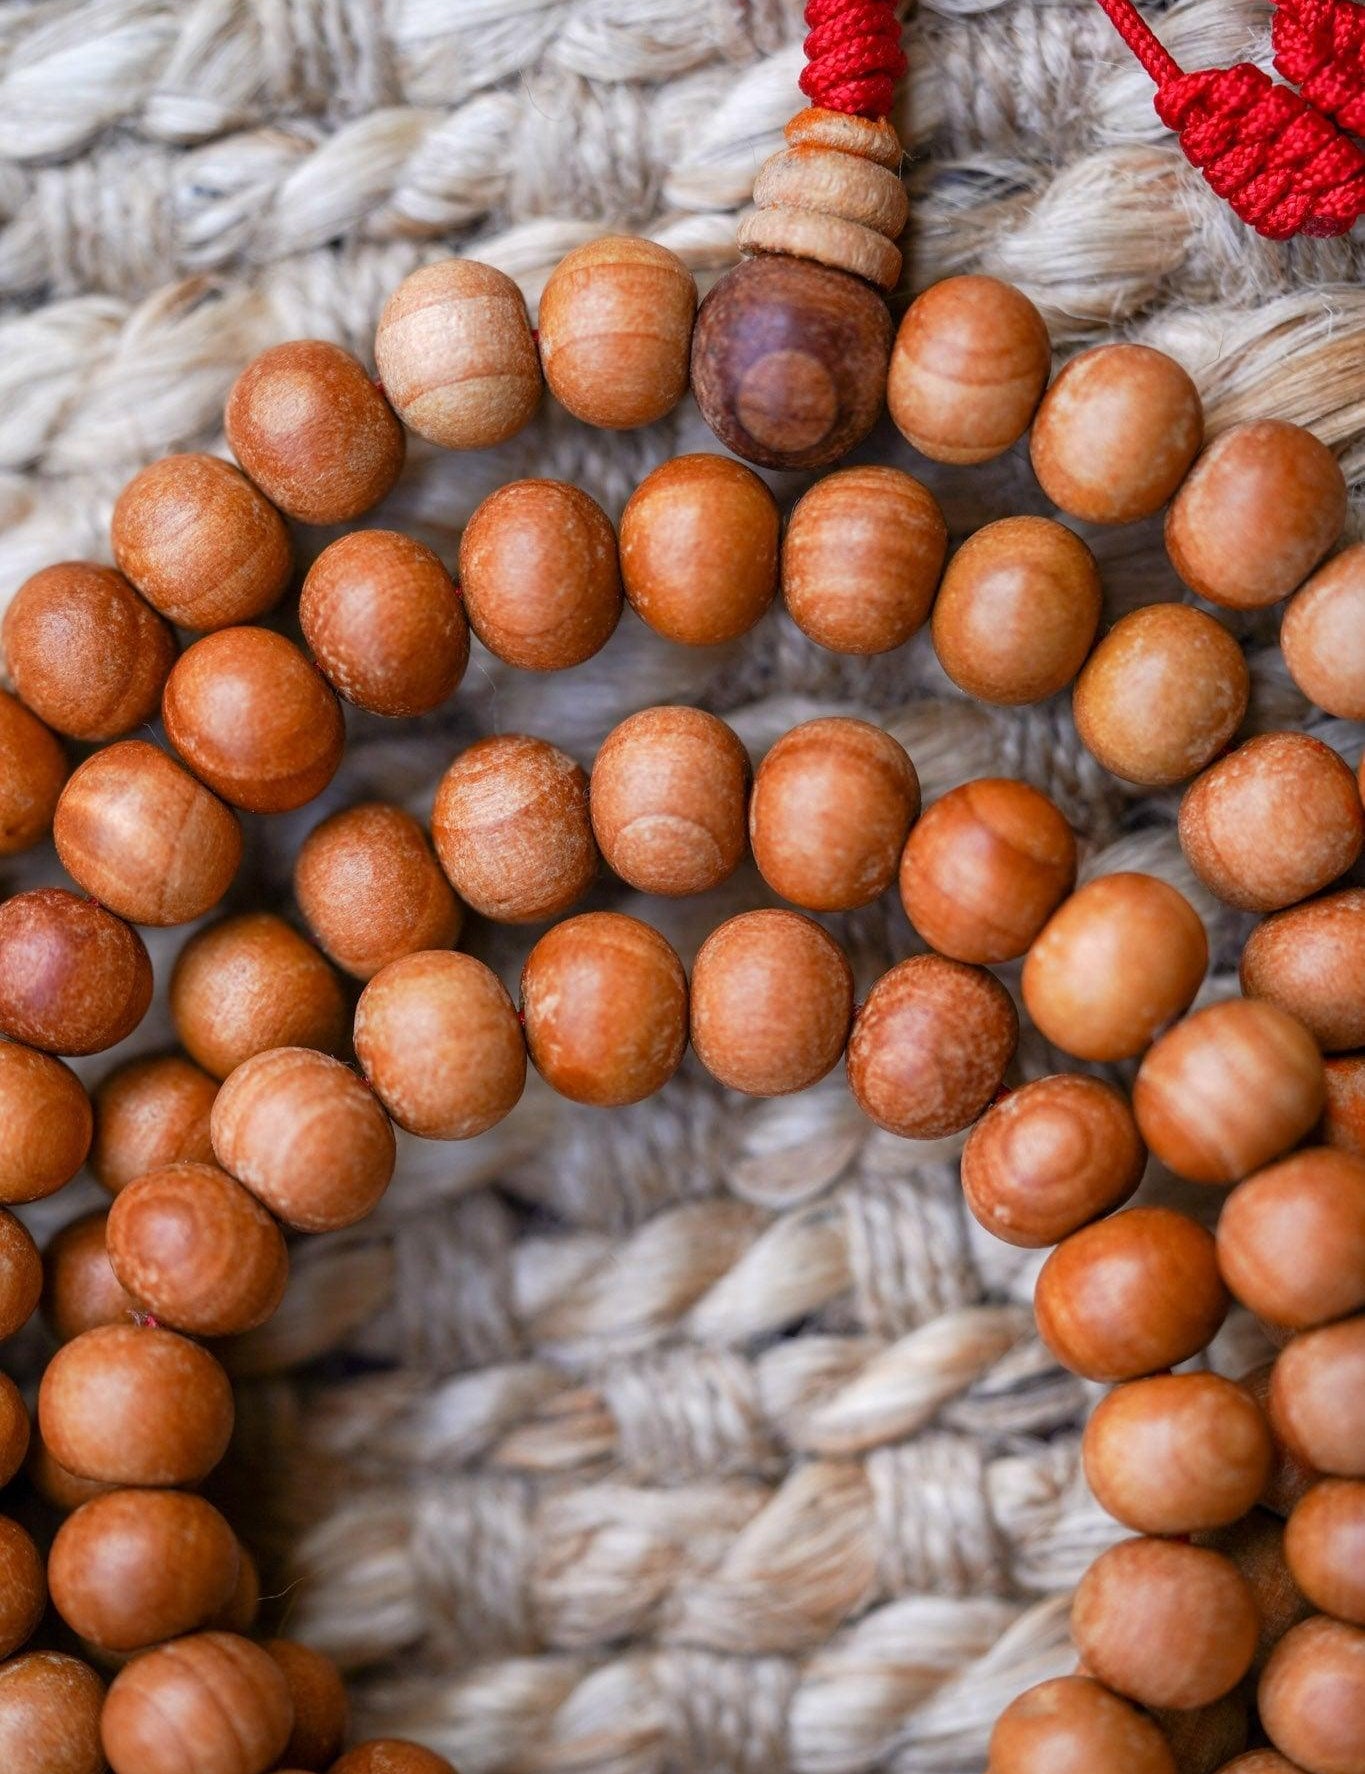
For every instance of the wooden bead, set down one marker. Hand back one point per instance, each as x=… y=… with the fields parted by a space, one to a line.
x=50 y=1715
x=1324 y=1543
x=1311 y=1697
x=1259 y=509
x=132 y=1568
x=33 y=768
x=139 y=833
x=1260 y=1761
x=249 y=715
x=73 y=977
x=1116 y=433
x=615 y=331
x=540 y=575
x=440 y=1042
x=861 y=559
x=871 y=138
x=1017 y=610
x=772 y=1000
x=62 y=1490
x=1079 y=976
x=1310 y=961
x=1272 y=822
x=456 y=355
x=1165 y=1623
x=149 y=1113
x=1291 y=1239
x=829 y=182
x=132 y=1404
x=699 y=549
x=23 y=1590
x=47 y=1120
x=1129 y=1295
x=669 y=800
x=200 y=543
x=984 y=869
x=1290 y=1476
x=1049 y=1157
x=80 y=1289
x=1161 y=695
x=209 y=1704
x=789 y=361
x=512 y=830
x=321 y=1710
x=1322 y=636
x=791 y=232
x=385 y=623
x=392 y=1755
x=1317 y=1397
x=14 y=1432
x=243 y=1605
x=197 y=1250
x=930 y=1046
x=1074 y=1726
x=1343 y=1120
x=971 y=361
x=312 y=430
x=1177 y=1452
x=250 y=983
x=604 y=1002
x=306 y=1136
x=1228 y=1089
x=21 y=1275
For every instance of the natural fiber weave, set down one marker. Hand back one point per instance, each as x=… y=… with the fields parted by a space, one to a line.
x=709 y=1435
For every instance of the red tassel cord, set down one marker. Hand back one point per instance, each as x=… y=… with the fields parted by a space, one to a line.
x=1320 y=46
x=853 y=56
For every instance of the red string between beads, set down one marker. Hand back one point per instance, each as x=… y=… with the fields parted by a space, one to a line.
x=853 y=56
x=1320 y=46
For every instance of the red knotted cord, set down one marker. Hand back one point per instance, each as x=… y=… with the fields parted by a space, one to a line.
x=853 y=56
x=1320 y=46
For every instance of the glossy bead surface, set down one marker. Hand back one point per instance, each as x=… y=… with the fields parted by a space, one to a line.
x=23 y=1589
x=1291 y=1239
x=1311 y=1697
x=321 y=1710
x=392 y=1755
x=73 y=978
x=1322 y=635
x=212 y=1703
x=1317 y=1397
x=33 y=768
x=80 y=1289
x=149 y=1113
x=50 y=1715
x=1072 y=1725
x=1310 y=961
x=47 y=1120
x=21 y=1274
x=1324 y=1543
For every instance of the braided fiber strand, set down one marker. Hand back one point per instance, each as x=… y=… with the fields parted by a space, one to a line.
x=853 y=56
x=1320 y=46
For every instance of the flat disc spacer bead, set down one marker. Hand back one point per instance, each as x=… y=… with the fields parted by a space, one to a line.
x=833 y=184
x=828 y=239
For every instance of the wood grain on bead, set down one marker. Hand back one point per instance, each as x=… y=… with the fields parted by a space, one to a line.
x=23 y=1587
x=50 y=1715
x=80 y=1288
x=321 y=1709
x=789 y=231
x=392 y=1755
x=21 y=1275
x=830 y=182
x=1324 y=1544
x=1310 y=961
x=15 y=1430
x=1072 y=1725
x=1311 y=1697
x=1322 y=635
x=148 y=1113
x=930 y=1046
x=47 y=1119
x=1291 y=1239
x=202 y=545
x=212 y=1703
x=33 y=768
x=1317 y=1397
x=73 y=978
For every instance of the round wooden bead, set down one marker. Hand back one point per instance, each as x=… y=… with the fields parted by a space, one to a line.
x=669 y=800
x=772 y=1000
x=861 y=559
x=306 y=1136
x=1162 y=694
x=212 y=1703
x=47 y=1120
x=1260 y=1761
x=139 y=833
x=985 y=867
x=1130 y=1294
x=23 y=1590
x=321 y=1709
x=73 y=977
x=63 y=1490
x=1322 y=636
x=311 y=429
x=456 y=355
x=1017 y=610
x=699 y=549
x=511 y=827
x=1291 y=1239
x=80 y=1289
x=540 y=575
x=21 y=1275
x=615 y=331
x=244 y=1603
x=149 y=1113
x=930 y=1046
x=789 y=361
x=604 y=1003
x=197 y=1250
x=1228 y=1089
x=385 y=623
x=50 y=1715
x=1290 y=1476
x=1310 y=961
x=32 y=770
x=1116 y=433
x=14 y=1431
x=1079 y=977
x=1317 y=1397
x=1311 y=1697
x=249 y=715
x=1324 y=1543
x=250 y=983
x=1049 y=1157
x=200 y=543
x=1257 y=512
x=831 y=805
x=392 y=1755
x=1074 y=1726
x=440 y=1042
x=826 y=181
x=1343 y=1120
x=970 y=364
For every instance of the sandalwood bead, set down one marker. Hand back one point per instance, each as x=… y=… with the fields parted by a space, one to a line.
x=699 y=549
x=1317 y=1397
x=440 y=1043
x=392 y=1755
x=669 y=800
x=1291 y=1239
x=1322 y=636
x=969 y=366
x=930 y=1046
x=321 y=1709
x=21 y=1275
x=772 y=1000
x=1017 y=610
x=1310 y=961
x=786 y=229
x=861 y=559
x=540 y=575
x=985 y=867
x=1228 y=1089
x=1324 y=1543
x=250 y=983
x=1049 y=1157
x=80 y=1289
x=1129 y=1295
x=310 y=427
x=249 y=715
x=1290 y=1476
x=1257 y=512
x=1343 y=1120
x=73 y=978
x=1072 y=1725
x=50 y=1715
x=1161 y=695
x=869 y=138
x=32 y=770
x=1080 y=976
x=212 y=1703
x=1311 y=1697
x=456 y=355
x=14 y=1430
x=23 y=1589
x=47 y=1120
x=512 y=830
x=305 y=1135
x=149 y=1113
x=202 y=545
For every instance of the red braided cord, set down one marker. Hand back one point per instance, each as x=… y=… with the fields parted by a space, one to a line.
x=1320 y=46
x=853 y=56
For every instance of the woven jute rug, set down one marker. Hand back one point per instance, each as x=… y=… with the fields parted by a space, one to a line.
x=709 y=1435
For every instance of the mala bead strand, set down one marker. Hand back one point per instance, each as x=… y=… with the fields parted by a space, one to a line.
x=212 y=1703
x=48 y=1122
x=80 y=1289
x=1310 y=961
x=1322 y=636
x=50 y=1708
x=74 y=978
x=33 y=768
x=150 y=1113
x=1291 y=1239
